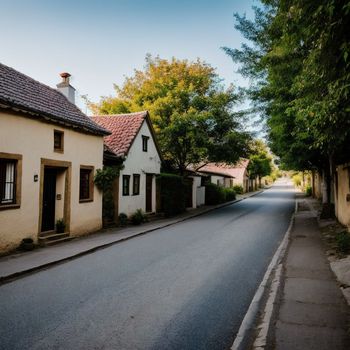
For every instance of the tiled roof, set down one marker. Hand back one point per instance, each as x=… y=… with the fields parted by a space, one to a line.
x=124 y=128
x=20 y=92
x=223 y=169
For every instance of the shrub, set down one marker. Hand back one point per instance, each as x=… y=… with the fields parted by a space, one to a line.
x=308 y=190
x=238 y=189
x=343 y=242
x=297 y=180
x=214 y=194
x=60 y=226
x=230 y=194
x=172 y=194
x=122 y=219
x=138 y=217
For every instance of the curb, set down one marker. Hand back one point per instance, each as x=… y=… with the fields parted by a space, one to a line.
x=245 y=332
x=13 y=276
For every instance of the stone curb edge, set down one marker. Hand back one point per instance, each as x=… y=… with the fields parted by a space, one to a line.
x=13 y=276
x=245 y=332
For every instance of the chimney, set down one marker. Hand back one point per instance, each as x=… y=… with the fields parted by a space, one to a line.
x=65 y=88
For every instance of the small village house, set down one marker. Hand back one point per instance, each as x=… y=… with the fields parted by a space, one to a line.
x=241 y=175
x=133 y=141
x=49 y=152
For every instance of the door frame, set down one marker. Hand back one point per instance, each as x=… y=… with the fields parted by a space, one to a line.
x=67 y=189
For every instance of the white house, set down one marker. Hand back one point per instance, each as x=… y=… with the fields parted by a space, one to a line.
x=133 y=140
x=49 y=152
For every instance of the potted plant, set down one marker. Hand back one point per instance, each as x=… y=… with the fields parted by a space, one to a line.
x=27 y=244
x=60 y=226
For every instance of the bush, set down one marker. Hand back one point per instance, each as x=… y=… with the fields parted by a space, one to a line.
x=297 y=180
x=138 y=217
x=60 y=226
x=343 y=242
x=308 y=190
x=214 y=194
x=230 y=194
x=238 y=189
x=122 y=219
x=172 y=194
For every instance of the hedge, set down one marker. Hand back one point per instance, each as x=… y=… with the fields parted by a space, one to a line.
x=215 y=194
x=172 y=193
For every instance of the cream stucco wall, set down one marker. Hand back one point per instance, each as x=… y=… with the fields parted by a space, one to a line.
x=342 y=206
x=34 y=140
x=139 y=162
x=217 y=180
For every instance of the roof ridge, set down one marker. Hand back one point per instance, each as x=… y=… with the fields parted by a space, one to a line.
x=119 y=115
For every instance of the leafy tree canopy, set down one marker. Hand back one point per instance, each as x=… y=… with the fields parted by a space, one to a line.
x=190 y=109
x=299 y=65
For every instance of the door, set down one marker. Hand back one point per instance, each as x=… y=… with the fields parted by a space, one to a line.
x=49 y=199
x=149 y=180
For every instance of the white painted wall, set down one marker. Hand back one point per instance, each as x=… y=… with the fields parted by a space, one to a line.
x=34 y=140
x=217 y=179
x=139 y=162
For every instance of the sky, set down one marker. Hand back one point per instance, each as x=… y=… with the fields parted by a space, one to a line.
x=101 y=42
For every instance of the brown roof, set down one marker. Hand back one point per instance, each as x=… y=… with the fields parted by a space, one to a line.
x=22 y=93
x=223 y=169
x=124 y=128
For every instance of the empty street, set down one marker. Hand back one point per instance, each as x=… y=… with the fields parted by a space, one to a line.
x=187 y=286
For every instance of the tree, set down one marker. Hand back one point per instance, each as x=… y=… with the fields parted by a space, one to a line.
x=300 y=66
x=190 y=109
x=260 y=162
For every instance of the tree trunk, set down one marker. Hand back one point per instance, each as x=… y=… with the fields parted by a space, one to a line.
x=328 y=190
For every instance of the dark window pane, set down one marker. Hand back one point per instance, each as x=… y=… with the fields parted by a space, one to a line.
x=126 y=185
x=85 y=183
x=7 y=181
x=145 y=143
x=136 y=184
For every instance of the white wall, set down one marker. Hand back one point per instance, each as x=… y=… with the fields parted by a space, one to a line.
x=139 y=162
x=215 y=178
x=34 y=140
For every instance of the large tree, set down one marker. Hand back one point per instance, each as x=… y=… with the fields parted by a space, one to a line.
x=190 y=109
x=300 y=66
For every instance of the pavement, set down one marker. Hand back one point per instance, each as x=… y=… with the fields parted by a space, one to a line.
x=19 y=264
x=306 y=307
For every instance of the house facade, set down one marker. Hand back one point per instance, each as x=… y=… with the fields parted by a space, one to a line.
x=241 y=175
x=49 y=152
x=133 y=140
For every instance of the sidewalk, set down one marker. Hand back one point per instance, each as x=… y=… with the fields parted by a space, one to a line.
x=18 y=264
x=310 y=311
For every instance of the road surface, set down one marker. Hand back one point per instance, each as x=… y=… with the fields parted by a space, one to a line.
x=187 y=286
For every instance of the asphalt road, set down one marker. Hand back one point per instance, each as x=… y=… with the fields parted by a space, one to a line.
x=187 y=286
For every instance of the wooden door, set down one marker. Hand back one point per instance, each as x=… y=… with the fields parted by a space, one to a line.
x=149 y=181
x=49 y=200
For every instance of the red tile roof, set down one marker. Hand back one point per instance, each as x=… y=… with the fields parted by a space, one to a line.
x=20 y=92
x=124 y=128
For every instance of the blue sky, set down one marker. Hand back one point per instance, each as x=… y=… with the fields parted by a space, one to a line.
x=101 y=42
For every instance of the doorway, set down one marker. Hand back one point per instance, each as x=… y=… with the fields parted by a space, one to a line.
x=49 y=200
x=149 y=182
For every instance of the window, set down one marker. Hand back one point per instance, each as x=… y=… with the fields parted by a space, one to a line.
x=145 y=143
x=10 y=180
x=126 y=185
x=86 y=186
x=136 y=184
x=58 y=141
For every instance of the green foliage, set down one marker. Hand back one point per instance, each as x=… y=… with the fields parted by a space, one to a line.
x=343 y=242
x=172 y=193
x=214 y=194
x=104 y=179
x=230 y=194
x=122 y=219
x=297 y=180
x=299 y=67
x=60 y=226
x=238 y=189
x=190 y=109
x=138 y=217
x=260 y=162
x=308 y=190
